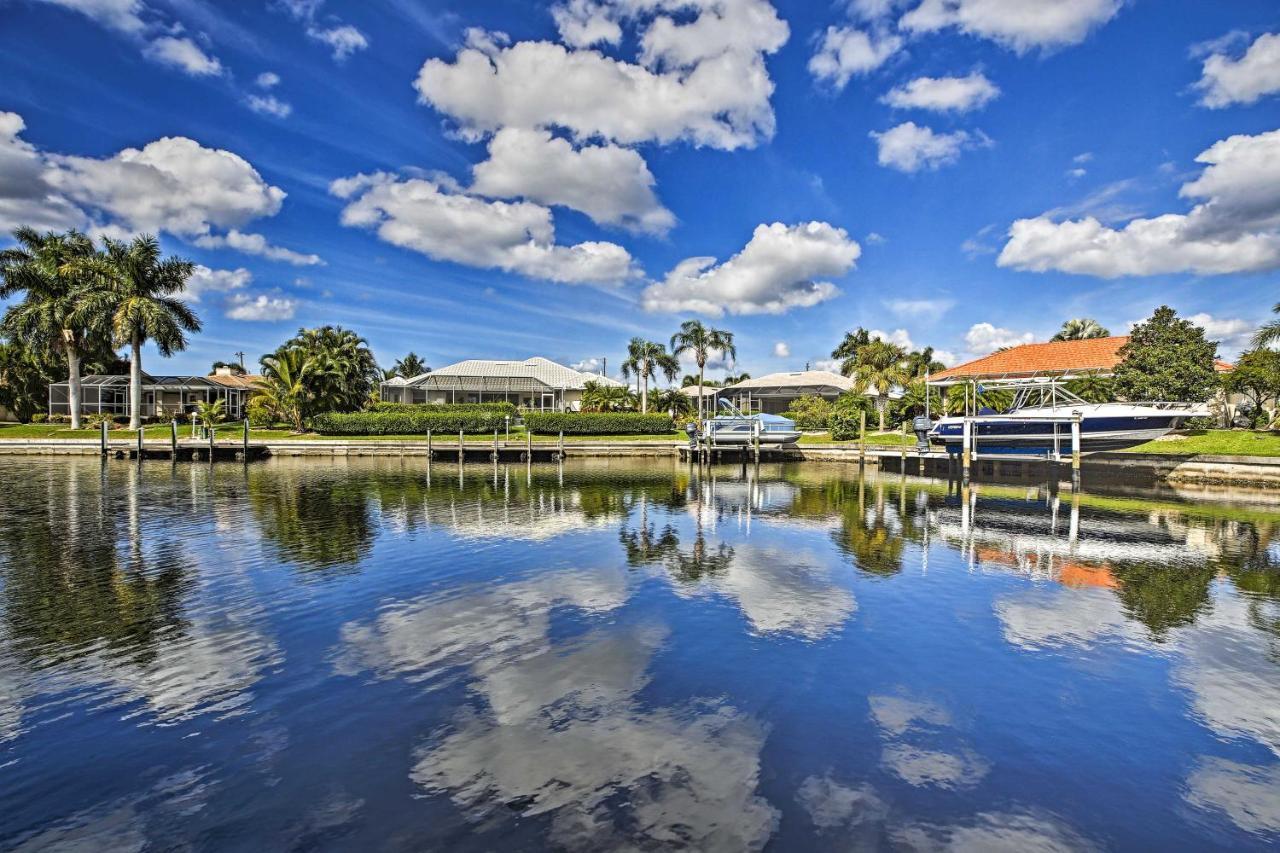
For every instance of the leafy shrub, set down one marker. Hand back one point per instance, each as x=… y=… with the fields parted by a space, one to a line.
x=846 y=415
x=500 y=408
x=810 y=412
x=405 y=422
x=97 y=419
x=597 y=423
x=59 y=419
x=259 y=412
x=39 y=418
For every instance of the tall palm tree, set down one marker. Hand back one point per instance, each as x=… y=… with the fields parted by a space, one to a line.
x=878 y=366
x=1268 y=333
x=140 y=295
x=48 y=270
x=409 y=366
x=921 y=363
x=701 y=341
x=283 y=385
x=853 y=341
x=646 y=359
x=341 y=374
x=1081 y=329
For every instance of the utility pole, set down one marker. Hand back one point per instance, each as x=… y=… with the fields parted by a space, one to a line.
x=604 y=366
x=240 y=356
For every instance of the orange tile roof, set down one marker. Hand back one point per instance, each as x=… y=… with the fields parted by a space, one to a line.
x=1101 y=354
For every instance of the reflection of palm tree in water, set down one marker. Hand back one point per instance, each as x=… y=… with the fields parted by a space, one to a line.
x=67 y=591
x=647 y=546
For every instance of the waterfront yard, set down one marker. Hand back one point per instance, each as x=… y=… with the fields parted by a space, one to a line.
x=1215 y=442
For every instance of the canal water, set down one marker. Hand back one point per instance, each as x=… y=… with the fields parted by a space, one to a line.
x=378 y=655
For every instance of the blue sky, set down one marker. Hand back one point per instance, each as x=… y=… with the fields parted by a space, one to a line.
x=505 y=179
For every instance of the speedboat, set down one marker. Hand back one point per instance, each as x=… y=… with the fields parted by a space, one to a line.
x=1039 y=423
x=731 y=426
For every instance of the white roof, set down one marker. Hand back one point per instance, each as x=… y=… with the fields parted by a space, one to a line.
x=707 y=390
x=543 y=370
x=802 y=382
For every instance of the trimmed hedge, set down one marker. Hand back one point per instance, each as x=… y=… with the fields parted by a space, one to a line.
x=405 y=423
x=597 y=423
x=500 y=408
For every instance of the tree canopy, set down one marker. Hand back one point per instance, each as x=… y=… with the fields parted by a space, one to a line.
x=1166 y=359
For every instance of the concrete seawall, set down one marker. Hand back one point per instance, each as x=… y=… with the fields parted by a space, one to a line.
x=1139 y=467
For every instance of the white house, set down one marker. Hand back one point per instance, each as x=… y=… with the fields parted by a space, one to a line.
x=535 y=383
x=773 y=394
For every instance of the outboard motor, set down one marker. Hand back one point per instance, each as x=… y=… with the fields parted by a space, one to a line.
x=691 y=429
x=921 y=425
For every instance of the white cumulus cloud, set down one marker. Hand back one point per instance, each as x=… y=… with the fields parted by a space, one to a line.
x=898 y=337
x=702 y=81
x=985 y=338
x=256 y=244
x=260 y=308
x=269 y=105
x=183 y=54
x=519 y=237
x=845 y=52
x=944 y=94
x=205 y=280
x=1225 y=80
x=1232 y=333
x=267 y=80
x=925 y=309
x=1235 y=227
x=342 y=39
x=781 y=349
x=779 y=269
x=910 y=147
x=610 y=184
x=1021 y=25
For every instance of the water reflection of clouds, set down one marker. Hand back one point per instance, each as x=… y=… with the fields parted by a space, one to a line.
x=1049 y=617
x=996 y=832
x=921 y=744
x=1248 y=795
x=562 y=733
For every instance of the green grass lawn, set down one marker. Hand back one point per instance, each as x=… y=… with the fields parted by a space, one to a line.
x=1215 y=442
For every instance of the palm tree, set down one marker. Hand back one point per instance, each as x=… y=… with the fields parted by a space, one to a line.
x=673 y=402
x=47 y=269
x=646 y=360
x=1268 y=333
x=731 y=379
x=409 y=366
x=283 y=385
x=140 y=295
x=701 y=341
x=212 y=413
x=1081 y=329
x=877 y=366
x=599 y=397
x=921 y=363
x=853 y=341
x=341 y=373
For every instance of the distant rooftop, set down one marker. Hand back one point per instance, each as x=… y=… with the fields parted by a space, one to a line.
x=1093 y=355
x=537 y=369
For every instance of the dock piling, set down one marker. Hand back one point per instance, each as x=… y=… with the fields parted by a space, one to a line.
x=429 y=452
x=142 y=434
x=495 y=444
x=246 y=439
x=462 y=457
x=966 y=449
x=104 y=442
x=862 y=438
x=561 y=451
x=1075 y=450
x=528 y=445
x=173 y=439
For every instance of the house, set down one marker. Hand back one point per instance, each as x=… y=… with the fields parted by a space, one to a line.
x=774 y=393
x=535 y=383
x=162 y=396
x=1064 y=360
x=1058 y=359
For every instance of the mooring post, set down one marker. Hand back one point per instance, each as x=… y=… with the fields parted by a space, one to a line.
x=428 y=445
x=528 y=444
x=966 y=449
x=213 y=435
x=902 y=465
x=142 y=432
x=246 y=439
x=495 y=444
x=862 y=438
x=103 y=439
x=461 y=453
x=561 y=444
x=755 y=439
x=173 y=439
x=1075 y=450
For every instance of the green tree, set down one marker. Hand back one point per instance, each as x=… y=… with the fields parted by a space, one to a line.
x=212 y=413
x=1166 y=359
x=48 y=270
x=701 y=341
x=339 y=371
x=846 y=415
x=24 y=381
x=283 y=386
x=878 y=367
x=921 y=363
x=734 y=379
x=1081 y=329
x=913 y=399
x=810 y=412
x=139 y=293
x=409 y=366
x=853 y=341
x=689 y=380
x=1269 y=332
x=1257 y=378
x=645 y=360
x=673 y=401
x=599 y=397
